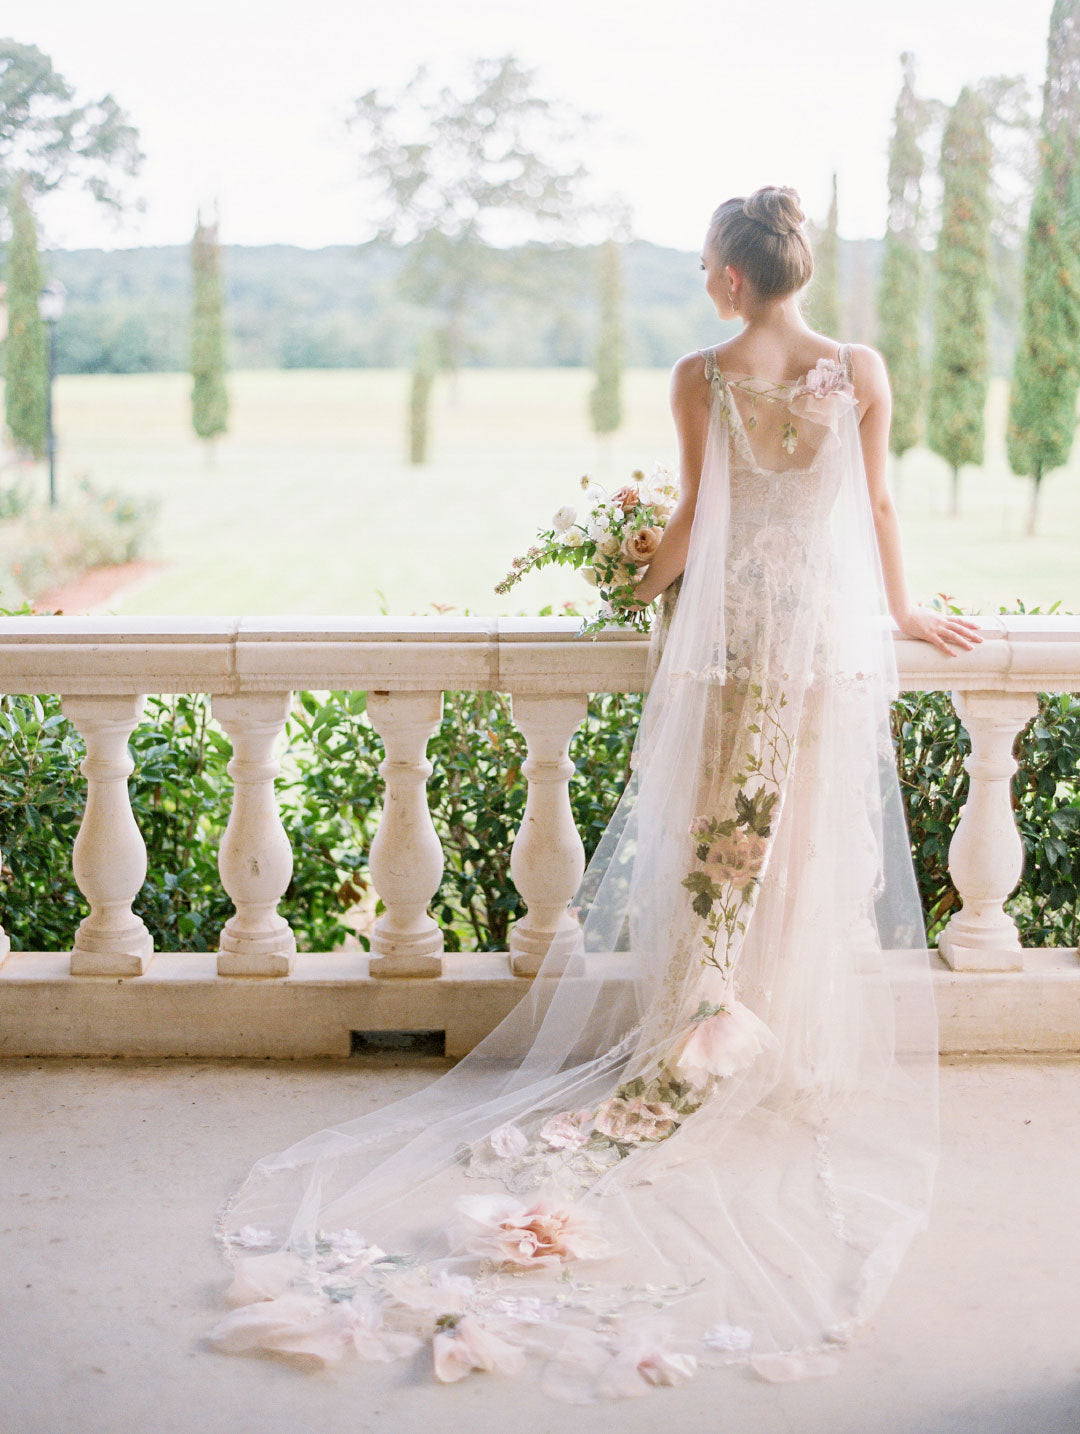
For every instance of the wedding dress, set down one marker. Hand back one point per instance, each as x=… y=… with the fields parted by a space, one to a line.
x=708 y=1133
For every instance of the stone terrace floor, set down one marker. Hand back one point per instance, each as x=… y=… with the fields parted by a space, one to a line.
x=111 y=1173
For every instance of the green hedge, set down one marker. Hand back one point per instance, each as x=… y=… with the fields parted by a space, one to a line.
x=331 y=795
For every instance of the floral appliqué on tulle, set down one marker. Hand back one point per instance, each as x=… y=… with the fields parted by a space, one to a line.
x=571 y=1149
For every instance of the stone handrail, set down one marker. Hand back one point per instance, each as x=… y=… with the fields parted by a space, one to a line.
x=103 y=667
x=103 y=655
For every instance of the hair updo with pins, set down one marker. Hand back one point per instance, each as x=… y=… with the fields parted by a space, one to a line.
x=763 y=237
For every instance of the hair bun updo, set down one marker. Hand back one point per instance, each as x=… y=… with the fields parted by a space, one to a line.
x=777 y=208
x=763 y=236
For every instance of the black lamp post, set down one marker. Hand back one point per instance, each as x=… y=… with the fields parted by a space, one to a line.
x=50 y=307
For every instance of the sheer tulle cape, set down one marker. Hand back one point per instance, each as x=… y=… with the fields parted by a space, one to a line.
x=708 y=1134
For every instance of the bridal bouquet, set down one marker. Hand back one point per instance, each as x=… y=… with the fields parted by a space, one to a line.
x=610 y=542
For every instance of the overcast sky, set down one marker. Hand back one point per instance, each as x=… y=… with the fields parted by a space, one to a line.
x=700 y=99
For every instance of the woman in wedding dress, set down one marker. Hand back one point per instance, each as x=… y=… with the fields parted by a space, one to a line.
x=708 y=1133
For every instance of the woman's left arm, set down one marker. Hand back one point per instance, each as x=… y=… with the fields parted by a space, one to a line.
x=875 y=417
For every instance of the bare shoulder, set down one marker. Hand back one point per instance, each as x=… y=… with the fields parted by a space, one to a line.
x=870 y=375
x=689 y=386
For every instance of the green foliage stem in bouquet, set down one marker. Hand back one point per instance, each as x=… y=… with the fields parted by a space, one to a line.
x=611 y=542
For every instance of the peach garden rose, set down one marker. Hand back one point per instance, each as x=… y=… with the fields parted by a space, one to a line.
x=640 y=546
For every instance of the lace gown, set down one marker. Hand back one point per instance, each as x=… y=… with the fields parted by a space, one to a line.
x=707 y=1136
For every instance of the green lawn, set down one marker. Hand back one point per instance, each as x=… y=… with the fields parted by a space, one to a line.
x=310 y=507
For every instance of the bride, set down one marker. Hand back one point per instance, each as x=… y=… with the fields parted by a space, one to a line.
x=708 y=1133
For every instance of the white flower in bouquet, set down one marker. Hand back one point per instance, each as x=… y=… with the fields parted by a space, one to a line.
x=660 y=490
x=564 y=518
x=573 y=537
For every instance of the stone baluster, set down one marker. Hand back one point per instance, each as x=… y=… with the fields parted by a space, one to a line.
x=986 y=855
x=255 y=859
x=406 y=856
x=547 y=860
x=109 y=856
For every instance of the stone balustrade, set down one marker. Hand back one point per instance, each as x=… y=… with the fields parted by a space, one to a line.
x=1000 y=996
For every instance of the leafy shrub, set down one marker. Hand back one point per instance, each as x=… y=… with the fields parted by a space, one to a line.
x=931 y=746
x=43 y=547
x=331 y=796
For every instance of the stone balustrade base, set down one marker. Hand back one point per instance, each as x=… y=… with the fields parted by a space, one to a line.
x=181 y=1007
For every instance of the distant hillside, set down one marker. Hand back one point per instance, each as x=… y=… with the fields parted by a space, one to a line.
x=336 y=307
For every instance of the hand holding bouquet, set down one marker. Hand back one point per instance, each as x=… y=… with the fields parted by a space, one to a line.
x=611 y=542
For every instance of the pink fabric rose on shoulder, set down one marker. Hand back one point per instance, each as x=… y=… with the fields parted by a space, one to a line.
x=816 y=395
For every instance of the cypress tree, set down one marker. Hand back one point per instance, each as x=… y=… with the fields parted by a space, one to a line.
x=605 y=400
x=959 y=374
x=425 y=368
x=900 y=290
x=1046 y=368
x=26 y=360
x=823 y=301
x=209 y=397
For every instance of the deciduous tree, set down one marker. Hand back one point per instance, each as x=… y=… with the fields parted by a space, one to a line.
x=454 y=171
x=55 y=140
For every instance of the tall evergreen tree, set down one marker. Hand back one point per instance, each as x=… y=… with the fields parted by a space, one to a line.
x=605 y=399
x=900 y=290
x=1046 y=370
x=960 y=367
x=209 y=397
x=425 y=368
x=823 y=300
x=26 y=360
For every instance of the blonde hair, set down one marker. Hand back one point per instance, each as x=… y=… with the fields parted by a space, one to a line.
x=763 y=237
